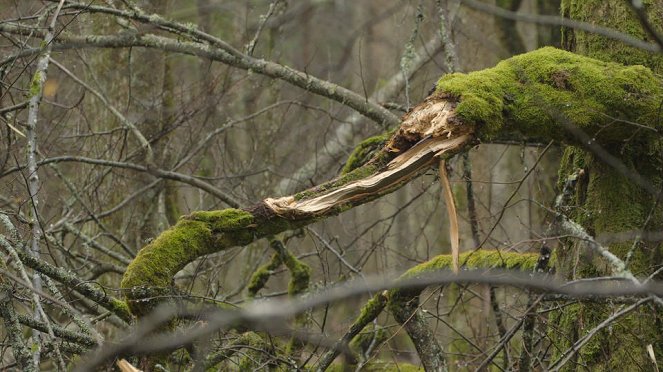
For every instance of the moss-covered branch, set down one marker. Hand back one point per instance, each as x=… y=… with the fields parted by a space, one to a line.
x=539 y=94
x=427 y=133
x=368 y=313
x=482 y=259
x=542 y=93
x=404 y=304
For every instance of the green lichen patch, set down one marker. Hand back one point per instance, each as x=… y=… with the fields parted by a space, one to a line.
x=541 y=93
x=35 y=84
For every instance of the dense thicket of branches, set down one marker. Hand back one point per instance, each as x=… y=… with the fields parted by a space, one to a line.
x=253 y=185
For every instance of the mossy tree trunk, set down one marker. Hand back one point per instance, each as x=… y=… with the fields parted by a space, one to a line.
x=608 y=201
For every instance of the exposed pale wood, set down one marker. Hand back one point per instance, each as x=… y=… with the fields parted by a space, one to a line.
x=125 y=366
x=431 y=125
x=453 y=217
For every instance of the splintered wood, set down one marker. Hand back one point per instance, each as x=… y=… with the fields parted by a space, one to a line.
x=454 y=236
x=428 y=132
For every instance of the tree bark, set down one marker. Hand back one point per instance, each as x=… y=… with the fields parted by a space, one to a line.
x=610 y=200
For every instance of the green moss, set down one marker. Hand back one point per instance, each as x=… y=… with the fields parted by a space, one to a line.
x=200 y=234
x=363 y=152
x=615 y=15
x=610 y=349
x=121 y=308
x=35 y=84
x=537 y=93
x=372 y=335
x=276 y=225
x=150 y=273
x=372 y=308
x=301 y=275
x=262 y=274
x=224 y=220
x=306 y=194
x=607 y=203
x=481 y=259
x=162 y=258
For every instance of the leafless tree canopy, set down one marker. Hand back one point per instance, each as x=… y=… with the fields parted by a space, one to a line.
x=284 y=185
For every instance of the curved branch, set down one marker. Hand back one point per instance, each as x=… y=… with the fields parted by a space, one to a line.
x=263 y=315
x=297 y=78
x=547 y=94
x=193 y=181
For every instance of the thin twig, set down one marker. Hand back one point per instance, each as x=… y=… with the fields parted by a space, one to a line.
x=565 y=22
x=568 y=354
x=36 y=92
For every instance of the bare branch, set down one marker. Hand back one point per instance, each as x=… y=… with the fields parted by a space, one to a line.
x=267 y=313
x=565 y=22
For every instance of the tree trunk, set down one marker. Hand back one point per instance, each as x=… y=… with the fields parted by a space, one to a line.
x=606 y=202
